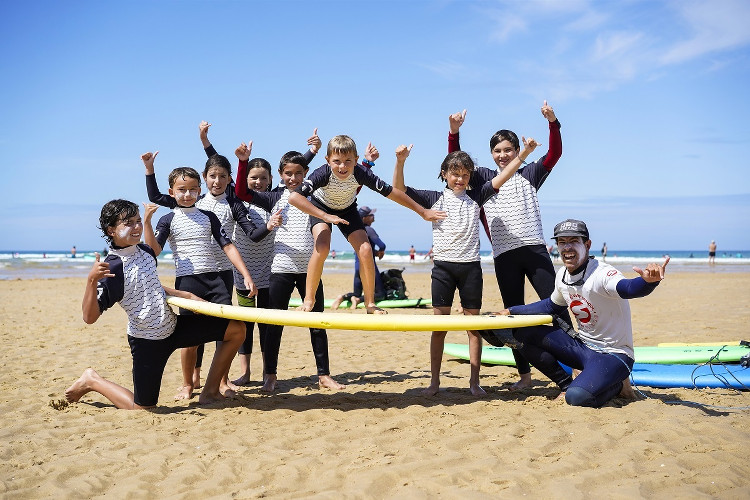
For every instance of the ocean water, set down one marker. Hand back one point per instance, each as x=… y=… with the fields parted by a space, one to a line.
x=60 y=264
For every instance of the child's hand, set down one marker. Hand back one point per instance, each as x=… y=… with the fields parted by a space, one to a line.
x=314 y=142
x=402 y=152
x=148 y=161
x=529 y=145
x=149 y=209
x=371 y=153
x=548 y=112
x=99 y=270
x=653 y=272
x=332 y=219
x=250 y=287
x=434 y=215
x=457 y=119
x=243 y=151
x=275 y=221
x=203 y=129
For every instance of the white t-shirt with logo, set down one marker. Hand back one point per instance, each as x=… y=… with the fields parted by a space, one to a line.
x=603 y=317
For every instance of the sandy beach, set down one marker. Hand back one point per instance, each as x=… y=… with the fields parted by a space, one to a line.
x=378 y=438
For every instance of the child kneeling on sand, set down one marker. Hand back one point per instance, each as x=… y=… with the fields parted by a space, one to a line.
x=128 y=277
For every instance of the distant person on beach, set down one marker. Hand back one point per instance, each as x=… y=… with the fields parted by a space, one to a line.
x=73 y=253
x=333 y=254
x=711 y=252
x=332 y=189
x=597 y=294
x=196 y=236
x=430 y=253
x=513 y=221
x=128 y=276
x=457 y=263
x=378 y=249
x=604 y=252
x=412 y=253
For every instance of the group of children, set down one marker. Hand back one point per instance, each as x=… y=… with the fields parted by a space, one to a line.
x=265 y=242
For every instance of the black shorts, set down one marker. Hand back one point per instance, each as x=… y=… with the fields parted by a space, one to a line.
x=349 y=214
x=150 y=356
x=214 y=287
x=466 y=276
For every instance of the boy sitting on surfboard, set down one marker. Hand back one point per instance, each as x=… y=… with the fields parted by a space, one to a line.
x=128 y=276
x=597 y=294
x=456 y=263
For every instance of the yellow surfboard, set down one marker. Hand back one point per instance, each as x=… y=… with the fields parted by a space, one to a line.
x=688 y=344
x=348 y=321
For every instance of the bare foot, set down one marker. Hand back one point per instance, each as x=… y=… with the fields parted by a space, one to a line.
x=373 y=309
x=269 y=383
x=337 y=302
x=627 y=391
x=431 y=390
x=523 y=383
x=242 y=381
x=226 y=392
x=306 y=306
x=355 y=302
x=327 y=382
x=206 y=398
x=227 y=386
x=560 y=396
x=184 y=392
x=80 y=386
x=477 y=391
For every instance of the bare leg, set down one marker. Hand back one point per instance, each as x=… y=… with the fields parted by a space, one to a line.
x=437 y=343
x=337 y=302
x=475 y=357
x=327 y=382
x=361 y=245
x=243 y=379
x=188 y=358
x=225 y=351
x=322 y=235
x=225 y=384
x=197 y=378
x=91 y=381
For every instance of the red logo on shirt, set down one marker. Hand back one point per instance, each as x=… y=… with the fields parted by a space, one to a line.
x=581 y=311
x=612 y=272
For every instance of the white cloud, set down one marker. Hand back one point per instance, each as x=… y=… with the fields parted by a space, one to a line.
x=714 y=26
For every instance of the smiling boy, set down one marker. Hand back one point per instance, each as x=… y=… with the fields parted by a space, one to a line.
x=332 y=189
x=128 y=276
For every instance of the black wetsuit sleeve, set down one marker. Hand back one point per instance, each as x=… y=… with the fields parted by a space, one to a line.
x=111 y=290
x=155 y=196
x=210 y=151
x=252 y=230
x=425 y=198
x=366 y=177
x=317 y=179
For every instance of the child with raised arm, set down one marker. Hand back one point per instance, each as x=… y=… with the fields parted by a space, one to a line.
x=128 y=276
x=293 y=244
x=332 y=189
x=513 y=221
x=193 y=234
x=255 y=253
x=456 y=247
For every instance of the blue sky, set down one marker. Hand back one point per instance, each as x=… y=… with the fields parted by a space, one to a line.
x=655 y=124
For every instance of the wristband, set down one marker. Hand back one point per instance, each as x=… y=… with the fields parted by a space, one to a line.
x=368 y=162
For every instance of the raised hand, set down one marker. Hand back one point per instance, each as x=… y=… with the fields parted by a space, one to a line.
x=456 y=120
x=402 y=152
x=529 y=145
x=548 y=112
x=148 y=210
x=100 y=269
x=203 y=131
x=371 y=153
x=148 y=161
x=653 y=272
x=243 y=151
x=314 y=141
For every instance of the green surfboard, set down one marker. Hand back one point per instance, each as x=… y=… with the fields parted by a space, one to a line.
x=385 y=304
x=680 y=355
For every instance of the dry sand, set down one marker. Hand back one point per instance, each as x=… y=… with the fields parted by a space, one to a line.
x=378 y=438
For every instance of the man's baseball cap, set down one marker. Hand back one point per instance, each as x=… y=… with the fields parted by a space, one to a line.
x=364 y=211
x=571 y=227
